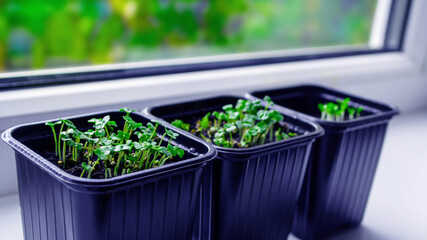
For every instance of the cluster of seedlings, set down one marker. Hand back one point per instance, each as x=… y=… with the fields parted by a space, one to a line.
x=112 y=151
x=244 y=125
x=332 y=111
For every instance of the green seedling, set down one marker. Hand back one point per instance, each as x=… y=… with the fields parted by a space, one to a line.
x=359 y=111
x=337 y=111
x=133 y=148
x=246 y=124
x=86 y=168
x=52 y=125
x=180 y=124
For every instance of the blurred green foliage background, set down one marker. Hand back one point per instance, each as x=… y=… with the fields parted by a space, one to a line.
x=38 y=34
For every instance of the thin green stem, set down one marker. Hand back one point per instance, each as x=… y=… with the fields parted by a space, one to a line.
x=93 y=168
x=59 y=141
x=63 y=152
x=141 y=160
x=154 y=131
x=119 y=159
x=56 y=141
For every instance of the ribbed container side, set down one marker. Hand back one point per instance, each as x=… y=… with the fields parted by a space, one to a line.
x=163 y=208
x=257 y=197
x=158 y=203
x=340 y=200
x=254 y=190
x=343 y=162
x=203 y=224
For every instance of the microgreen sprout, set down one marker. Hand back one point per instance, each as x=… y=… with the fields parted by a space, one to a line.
x=246 y=124
x=180 y=124
x=336 y=111
x=111 y=151
x=52 y=125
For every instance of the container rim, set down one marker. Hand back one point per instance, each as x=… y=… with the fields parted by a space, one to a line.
x=63 y=176
x=390 y=109
x=315 y=133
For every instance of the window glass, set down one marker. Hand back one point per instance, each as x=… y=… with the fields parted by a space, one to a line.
x=59 y=33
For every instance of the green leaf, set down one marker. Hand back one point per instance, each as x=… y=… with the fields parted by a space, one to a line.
x=165 y=151
x=151 y=126
x=233 y=115
x=254 y=131
x=65 y=137
x=180 y=124
x=100 y=133
x=292 y=134
x=351 y=111
x=123 y=135
x=241 y=103
x=115 y=137
x=172 y=150
x=68 y=123
x=262 y=126
x=239 y=124
x=90 y=132
x=177 y=123
x=205 y=123
x=268 y=100
x=219 y=134
x=276 y=116
x=221 y=142
x=331 y=108
x=228 y=107
x=105 y=120
x=278 y=135
x=127 y=111
x=180 y=152
x=50 y=124
x=344 y=103
x=171 y=134
x=129 y=120
x=138 y=146
x=132 y=159
x=229 y=127
x=121 y=147
x=102 y=153
x=112 y=124
x=262 y=115
x=106 y=142
x=223 y=116
x=216 y=114
x=85 y=166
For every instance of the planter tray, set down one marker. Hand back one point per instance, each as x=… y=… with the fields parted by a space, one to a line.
x=343 y=162
x=255 y=190
x=158 y=203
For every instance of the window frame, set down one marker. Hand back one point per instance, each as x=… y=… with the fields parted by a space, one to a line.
x=340 y=72
x=105 y=72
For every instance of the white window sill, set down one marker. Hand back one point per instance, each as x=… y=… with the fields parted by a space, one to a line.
x=341 y=73
x=396 y=207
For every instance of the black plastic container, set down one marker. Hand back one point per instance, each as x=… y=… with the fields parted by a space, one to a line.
x=343 y=162
x=158 y=203
x=255 y=190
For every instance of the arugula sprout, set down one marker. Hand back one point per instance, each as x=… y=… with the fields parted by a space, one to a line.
x=114 y=151
x=245 y=124
x=180 y=124
x=52 y=125
x=331 y=111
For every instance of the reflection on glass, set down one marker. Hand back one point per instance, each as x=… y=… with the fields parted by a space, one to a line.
x=48 y=34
